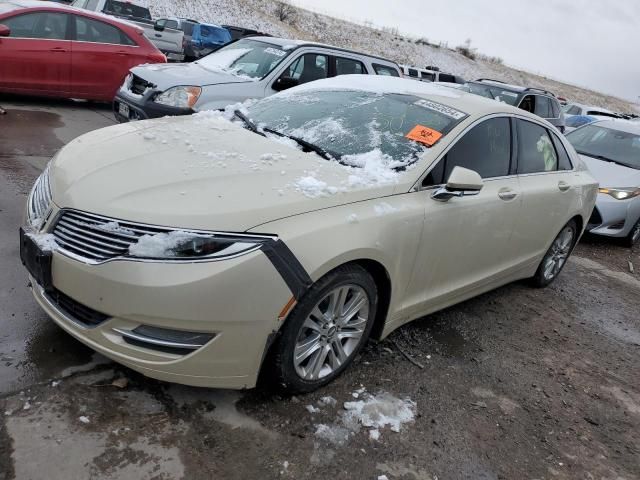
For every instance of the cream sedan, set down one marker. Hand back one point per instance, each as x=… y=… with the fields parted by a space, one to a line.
x=278 y=238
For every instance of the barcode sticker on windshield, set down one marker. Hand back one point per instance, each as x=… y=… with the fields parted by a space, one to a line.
x=438 y=107
x=275 y=51
x=423 y=134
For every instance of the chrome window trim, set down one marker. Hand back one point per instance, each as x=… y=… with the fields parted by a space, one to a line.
x=88 y=261
x=104 y=43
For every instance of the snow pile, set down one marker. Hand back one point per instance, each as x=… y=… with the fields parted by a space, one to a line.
x=115 y=227
x=159 y=245
x=379 y=411
x=353 y=218
x=373 y=168
x=311 y=187
x=46 y=241
x=374 y=412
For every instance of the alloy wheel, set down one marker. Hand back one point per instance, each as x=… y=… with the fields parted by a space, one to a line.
x=559 y=252
x=331 y=332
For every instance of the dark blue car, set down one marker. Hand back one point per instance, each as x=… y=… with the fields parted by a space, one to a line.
x=206 y=38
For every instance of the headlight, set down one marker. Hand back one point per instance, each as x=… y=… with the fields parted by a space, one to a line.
x=181 y=245
x=39 y=199
x=621 y=193
x=182 y=97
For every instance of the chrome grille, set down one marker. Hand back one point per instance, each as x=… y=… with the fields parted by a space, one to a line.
x=39 y=198
x=97 y=238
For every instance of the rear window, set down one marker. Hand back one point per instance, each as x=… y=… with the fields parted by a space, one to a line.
x=126 y=9
x=348 y=124
x=385 y=70
x=494 y=92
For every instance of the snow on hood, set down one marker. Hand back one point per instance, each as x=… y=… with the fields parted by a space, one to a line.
x=610 y=174
x=377 y=84
x=205 y=172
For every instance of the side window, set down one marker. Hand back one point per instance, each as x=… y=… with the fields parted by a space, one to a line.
x=430 y=77
x=536 y=153
x=162 y=22
x=88 y=30
x=385 y=70
x=51 y=26
x=171 y=24
x=346 y=66
x=486 y=148
x=445 y=77
x=413 y=72
x=543 y=107
x=80 y=3
x=564 y=162
x=92 y=5
x=308 y=67
x=528 y=103
x=574 y=110
x=555 y=108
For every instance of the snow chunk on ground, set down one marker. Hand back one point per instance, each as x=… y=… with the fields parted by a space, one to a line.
x=374 y=434
x=158 y=245
x=84 y=419
x=46 y=241
x=333 y=433
x=379 y=411
x=328 y=401
x=312 y=409
x=384 y=209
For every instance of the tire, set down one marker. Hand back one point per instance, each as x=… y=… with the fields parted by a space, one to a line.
x=310 y=331
x=556 y=257
x=634 y=235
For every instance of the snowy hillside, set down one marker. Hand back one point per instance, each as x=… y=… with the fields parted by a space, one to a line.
x=303 y=24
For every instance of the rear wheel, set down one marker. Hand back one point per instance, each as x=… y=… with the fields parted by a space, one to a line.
x=634 y=235
x=557 y=255
x=326 y=329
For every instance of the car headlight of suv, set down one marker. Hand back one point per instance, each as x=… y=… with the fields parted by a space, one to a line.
x=181 y=97
x=621 y=193
x=182 y=245
x=39 y=199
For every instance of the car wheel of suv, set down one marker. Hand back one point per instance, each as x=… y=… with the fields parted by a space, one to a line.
x=634 y=235
x=326 y=329
x=556 y=257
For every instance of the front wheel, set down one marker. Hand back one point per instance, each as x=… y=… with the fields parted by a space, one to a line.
x=326 y=330
x=634 y=235
x=556 y=257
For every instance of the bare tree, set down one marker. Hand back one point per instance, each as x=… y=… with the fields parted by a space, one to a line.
x=284 y=11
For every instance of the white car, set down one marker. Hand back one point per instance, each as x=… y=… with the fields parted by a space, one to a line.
x=203 y=251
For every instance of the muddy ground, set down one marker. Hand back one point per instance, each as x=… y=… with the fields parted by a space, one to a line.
x=519 y=383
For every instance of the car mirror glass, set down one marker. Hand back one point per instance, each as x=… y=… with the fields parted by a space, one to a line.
x=283 y=83
x=158 y=27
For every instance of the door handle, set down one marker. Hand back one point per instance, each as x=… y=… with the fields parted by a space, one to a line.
x=563 y=186
x=159 y=35
x=123 y=54
x=58 y=50
x=507 y=195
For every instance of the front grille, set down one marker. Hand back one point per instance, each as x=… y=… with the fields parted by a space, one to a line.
x=139 y=85
x=97 y=238
x=596 y=218
x=75 y=310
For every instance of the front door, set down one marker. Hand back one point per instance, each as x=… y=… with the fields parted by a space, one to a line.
x=466 y=241
x=36 y=57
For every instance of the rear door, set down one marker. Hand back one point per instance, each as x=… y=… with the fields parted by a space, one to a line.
x=36 y=57
x=548 y=184
x=466 y=241
x=102 y=55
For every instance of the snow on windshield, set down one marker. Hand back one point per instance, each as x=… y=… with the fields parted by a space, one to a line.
x=250 y=59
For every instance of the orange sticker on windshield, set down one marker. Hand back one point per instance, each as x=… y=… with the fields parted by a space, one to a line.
x=423 y=134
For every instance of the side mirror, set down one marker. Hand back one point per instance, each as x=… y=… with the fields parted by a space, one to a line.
x=157 y=27
x=4 y=31
x=462 y=182
x=285 y=82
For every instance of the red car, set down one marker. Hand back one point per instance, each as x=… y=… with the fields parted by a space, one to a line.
x=59 y=51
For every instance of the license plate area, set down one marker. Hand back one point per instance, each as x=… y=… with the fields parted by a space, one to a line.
x=36 y=261
x=123 y=109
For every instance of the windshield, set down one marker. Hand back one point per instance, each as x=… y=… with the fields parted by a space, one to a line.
x=127 y=9
x=348 y=125
x=245 y=58
x=616 y=145
x=494 y=92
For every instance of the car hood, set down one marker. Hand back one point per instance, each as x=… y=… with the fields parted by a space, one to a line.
x=611 y=174
x=168 y=75
x=202 y=172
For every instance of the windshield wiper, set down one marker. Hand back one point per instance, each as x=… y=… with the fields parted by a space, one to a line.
x=606 y=159
x=307 y=146
x=250 y=125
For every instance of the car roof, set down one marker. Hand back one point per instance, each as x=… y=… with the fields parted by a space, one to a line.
x=473 y=105
x=623 y=125
x=289 y=44
x=14 y=5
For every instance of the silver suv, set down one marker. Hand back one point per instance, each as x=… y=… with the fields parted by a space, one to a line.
x=254 y=67
x=534 y=100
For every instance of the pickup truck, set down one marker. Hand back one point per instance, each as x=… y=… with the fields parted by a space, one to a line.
x=169 y=41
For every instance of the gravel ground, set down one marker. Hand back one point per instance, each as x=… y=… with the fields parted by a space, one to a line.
x=519 y=383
